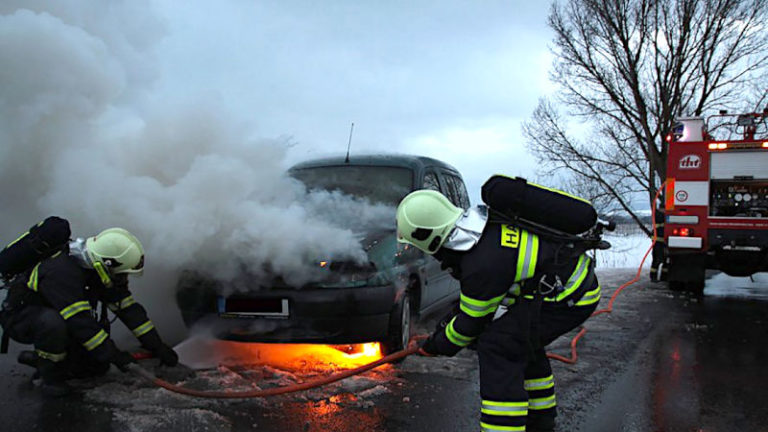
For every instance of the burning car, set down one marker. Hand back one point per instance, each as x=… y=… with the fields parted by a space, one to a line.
x=352 y=302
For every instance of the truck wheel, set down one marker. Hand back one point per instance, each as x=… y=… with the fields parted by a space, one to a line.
x=399 y=327
x=696 y=287
x=687 y=273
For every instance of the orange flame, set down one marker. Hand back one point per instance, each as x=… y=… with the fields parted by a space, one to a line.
x=299 y=357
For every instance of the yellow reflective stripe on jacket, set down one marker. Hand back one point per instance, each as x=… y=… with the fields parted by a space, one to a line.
x=99 y=338
x=74 y=309
x=527 y=256
x=589 y=297
x=32 y=281
x=542 y=403
x=479 y=308
x=455 y=337
x=504 y=408
x=485 y=427
x=577 y=277
x=54 y=357
x=143 y=329
x=122 y=304
x=539 y=383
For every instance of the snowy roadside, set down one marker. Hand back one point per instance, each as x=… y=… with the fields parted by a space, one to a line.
x=626 y=251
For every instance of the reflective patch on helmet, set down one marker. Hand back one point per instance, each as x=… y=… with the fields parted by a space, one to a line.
x=435 y=244
x=421 y=233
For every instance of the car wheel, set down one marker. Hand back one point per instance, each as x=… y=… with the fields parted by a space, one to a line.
x=399 y=327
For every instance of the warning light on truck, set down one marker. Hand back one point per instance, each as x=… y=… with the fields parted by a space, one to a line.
x=682 y=232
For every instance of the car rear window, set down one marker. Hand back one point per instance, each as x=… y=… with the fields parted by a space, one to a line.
x=377 y=183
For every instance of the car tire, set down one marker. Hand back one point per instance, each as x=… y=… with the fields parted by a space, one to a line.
x=400 y=325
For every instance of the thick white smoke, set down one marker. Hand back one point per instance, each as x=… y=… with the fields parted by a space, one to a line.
x=82 y=137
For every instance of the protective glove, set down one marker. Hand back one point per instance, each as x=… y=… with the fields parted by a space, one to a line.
x=427 y=347
x=122 y=359
x=167 y=355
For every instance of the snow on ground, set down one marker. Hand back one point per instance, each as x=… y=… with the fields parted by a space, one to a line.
x=722 y=285
x=626 y=251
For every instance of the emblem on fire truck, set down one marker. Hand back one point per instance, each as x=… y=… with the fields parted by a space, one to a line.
x=690 y=161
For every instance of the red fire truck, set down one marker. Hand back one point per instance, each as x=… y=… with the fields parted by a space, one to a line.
x=716 y=198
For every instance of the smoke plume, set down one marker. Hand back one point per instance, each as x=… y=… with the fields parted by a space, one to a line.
x=82 y=136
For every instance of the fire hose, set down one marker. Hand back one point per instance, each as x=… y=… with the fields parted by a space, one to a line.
x=276 y=390
x=387 y=359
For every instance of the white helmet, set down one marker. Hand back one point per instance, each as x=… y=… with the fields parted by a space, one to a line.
x=425 y=218
x=115 y=250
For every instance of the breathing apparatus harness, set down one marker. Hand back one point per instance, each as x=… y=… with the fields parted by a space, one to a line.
x=568 y=246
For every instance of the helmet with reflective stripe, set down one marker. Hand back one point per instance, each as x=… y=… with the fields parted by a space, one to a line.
x=117 y=250
x=425 y=218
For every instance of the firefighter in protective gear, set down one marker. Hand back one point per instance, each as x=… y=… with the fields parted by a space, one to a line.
x=659 y=254
x=517 y=296
x=54 y=310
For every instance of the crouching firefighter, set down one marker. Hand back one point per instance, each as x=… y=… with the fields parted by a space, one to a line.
x=519 y=292
x=52 y=307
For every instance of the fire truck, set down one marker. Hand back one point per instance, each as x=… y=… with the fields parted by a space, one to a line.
x=716 y=198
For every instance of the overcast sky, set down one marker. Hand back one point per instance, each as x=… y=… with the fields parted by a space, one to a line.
x=447 y=79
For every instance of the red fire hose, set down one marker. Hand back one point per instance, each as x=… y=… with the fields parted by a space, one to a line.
x=272 y=391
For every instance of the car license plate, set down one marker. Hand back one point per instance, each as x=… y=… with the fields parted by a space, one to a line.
x=234 y=307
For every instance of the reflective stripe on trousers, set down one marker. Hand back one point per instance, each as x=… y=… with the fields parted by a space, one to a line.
x=496 y=414
x=541 y=393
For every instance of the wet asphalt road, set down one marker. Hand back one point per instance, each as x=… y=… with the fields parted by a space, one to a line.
x=662 y=361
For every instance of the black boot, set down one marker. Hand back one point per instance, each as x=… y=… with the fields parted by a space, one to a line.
x=28 y=358
x=54 y=378
x=540 y=424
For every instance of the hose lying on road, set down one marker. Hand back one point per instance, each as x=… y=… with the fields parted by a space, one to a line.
x=609 y=309
x=276 y=390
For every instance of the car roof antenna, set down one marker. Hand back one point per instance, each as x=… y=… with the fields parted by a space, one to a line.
x=349 y=144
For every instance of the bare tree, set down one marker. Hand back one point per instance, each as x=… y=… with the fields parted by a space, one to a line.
x=626 y=68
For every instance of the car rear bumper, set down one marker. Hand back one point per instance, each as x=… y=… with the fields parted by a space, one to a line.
x=321 y=315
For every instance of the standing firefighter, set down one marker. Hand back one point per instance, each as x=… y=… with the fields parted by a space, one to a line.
x=519 y=292
x=659 y=254
x=52 y=305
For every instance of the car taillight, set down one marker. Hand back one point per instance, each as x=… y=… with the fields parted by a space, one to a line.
x=765 y=144
x=682 y=232
x=718 y=146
